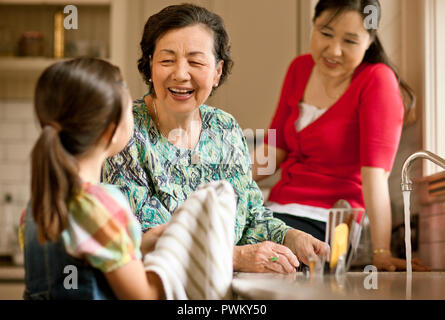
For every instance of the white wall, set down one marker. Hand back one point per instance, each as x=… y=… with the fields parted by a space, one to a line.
x=402 y=35
x=264 y=41
x=18 y=131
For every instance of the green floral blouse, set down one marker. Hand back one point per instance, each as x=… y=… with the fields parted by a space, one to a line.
x=157 y=177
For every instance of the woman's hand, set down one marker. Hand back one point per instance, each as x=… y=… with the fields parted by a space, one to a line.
x=264 y=257
x=150 y=238
x=386 y=262
x=378 y=208
x=305 y=246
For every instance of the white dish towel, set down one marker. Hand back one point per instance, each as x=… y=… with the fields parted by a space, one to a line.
x=194 y=255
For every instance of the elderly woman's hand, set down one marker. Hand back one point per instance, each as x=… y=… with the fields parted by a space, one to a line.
x=264 y=257
x=305 y=245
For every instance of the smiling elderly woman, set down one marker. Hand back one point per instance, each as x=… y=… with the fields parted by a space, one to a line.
x=180 y=143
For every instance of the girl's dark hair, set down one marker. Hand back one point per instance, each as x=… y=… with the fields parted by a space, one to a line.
x=181 y=16
x=75 y=102
x=375 y=53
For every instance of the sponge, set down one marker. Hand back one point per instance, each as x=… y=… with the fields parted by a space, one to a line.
x=339 y=244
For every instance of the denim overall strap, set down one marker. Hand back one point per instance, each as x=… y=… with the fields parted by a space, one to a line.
x=51 y=273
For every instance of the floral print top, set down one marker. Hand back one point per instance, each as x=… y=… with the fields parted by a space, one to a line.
x=157 y=177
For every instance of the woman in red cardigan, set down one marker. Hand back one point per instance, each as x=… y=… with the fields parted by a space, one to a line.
x=338 y=126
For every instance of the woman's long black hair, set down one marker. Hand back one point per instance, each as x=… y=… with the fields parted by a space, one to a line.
x=375 y=53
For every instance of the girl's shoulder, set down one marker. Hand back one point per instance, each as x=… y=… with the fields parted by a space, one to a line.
x=96 y=202
x=102 y=228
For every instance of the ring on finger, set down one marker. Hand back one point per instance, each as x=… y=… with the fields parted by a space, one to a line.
x=273 y=258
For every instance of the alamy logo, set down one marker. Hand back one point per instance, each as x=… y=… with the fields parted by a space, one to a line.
x=267 y=162
x=70 y=21
x=372 y=20
x=70 y=281
x=371 y=280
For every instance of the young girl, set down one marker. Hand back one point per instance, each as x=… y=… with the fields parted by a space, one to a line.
x=80 y=239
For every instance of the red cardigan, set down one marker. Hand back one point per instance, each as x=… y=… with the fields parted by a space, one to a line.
x=324 y=160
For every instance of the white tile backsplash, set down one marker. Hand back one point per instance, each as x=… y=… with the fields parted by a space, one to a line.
x=18 y=152
x=18 y=133
x=17 y=110
x=10 y=131
x=20 y=192
x=12 y=173
x=32 y=132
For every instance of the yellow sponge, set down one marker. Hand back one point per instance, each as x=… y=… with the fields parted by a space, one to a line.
x=339 y=243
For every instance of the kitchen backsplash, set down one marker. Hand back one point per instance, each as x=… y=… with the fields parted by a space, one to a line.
x=18 y=132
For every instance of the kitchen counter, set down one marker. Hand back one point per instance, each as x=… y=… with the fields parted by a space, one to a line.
x=353 y=286
x=255 y=286
x=12 y=273
x=12 y=283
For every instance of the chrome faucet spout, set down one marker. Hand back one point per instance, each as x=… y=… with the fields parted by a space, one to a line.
x=407 y=184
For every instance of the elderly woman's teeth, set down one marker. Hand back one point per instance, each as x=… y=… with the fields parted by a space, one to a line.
x=180 y=91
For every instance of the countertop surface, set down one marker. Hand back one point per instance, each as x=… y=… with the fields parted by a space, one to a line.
x=12 y=273
x=298 y=286
x=12 y=282
x=352 y=286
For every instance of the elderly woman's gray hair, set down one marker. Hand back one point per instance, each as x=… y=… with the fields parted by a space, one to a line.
x=181 y=16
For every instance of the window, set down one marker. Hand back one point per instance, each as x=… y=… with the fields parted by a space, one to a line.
x=434 y=104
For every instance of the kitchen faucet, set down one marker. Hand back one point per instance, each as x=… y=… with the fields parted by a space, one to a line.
x=407 y=184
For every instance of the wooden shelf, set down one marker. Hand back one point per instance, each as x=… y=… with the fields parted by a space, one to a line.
x=20 y=64
x=12 y=273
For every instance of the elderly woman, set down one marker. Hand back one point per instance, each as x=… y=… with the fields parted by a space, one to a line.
x=338 y=126
x=180 y=143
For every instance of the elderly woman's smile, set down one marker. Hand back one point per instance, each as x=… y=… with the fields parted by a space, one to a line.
x=180 y=93
x=184 y=68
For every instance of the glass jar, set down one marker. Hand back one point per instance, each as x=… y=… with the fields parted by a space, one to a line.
x=31 y=44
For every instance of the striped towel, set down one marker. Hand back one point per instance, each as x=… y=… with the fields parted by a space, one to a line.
x=194 y=255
